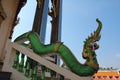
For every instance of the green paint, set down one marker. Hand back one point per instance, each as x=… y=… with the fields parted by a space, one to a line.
x=21 y=64
x=16 y=60
x=34 y=73
x=42 y=75
x=27 y=72
x=91 y=65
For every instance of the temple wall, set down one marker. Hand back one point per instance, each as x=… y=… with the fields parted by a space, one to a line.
x=9 y=9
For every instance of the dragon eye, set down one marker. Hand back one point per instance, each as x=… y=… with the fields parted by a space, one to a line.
x=96 y=46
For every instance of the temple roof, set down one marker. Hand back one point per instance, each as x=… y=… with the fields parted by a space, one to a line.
x=107 y=73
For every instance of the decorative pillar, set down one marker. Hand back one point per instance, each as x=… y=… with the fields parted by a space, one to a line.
x=40 y=20
x=56 y=15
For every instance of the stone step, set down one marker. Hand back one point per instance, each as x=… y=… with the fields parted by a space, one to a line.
x=5 y=75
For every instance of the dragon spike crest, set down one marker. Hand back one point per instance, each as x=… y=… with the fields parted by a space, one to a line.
x=90 y=46
x=94 y=36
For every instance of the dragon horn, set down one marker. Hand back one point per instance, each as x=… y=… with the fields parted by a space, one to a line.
x=96 y=36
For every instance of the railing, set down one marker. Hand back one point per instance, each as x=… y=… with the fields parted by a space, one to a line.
x=22 y=72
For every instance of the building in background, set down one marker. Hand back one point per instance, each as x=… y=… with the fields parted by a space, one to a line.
x=113 y=74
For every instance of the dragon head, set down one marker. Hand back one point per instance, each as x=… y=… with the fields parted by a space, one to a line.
x=90 y=46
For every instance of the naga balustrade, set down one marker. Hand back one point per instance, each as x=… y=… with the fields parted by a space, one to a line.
x=21 y=69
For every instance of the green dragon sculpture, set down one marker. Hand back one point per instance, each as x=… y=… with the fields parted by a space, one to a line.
x=91 y=65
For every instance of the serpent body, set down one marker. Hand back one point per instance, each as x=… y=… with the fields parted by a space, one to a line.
x=91 y=65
